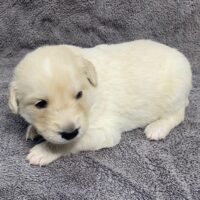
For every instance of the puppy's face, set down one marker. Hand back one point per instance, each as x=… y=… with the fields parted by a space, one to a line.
x=51 y=91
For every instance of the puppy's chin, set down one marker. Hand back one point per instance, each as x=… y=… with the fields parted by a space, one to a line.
x=58 y=142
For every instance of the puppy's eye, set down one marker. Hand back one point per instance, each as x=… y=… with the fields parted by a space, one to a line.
x=79 y=95
x=41 y=104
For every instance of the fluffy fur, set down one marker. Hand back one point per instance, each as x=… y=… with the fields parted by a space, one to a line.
x=125 y=86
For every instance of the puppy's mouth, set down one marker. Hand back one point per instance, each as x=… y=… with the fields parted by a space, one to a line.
x=62 y=137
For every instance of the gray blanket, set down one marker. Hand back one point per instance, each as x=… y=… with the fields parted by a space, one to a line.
x=136 y=168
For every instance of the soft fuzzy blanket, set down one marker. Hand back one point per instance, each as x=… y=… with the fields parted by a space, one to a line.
x=136 y=168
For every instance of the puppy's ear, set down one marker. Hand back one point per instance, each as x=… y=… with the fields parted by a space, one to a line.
x=13 y=104
x=90 y=72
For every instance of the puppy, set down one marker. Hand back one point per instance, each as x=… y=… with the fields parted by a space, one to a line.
x=82 y=99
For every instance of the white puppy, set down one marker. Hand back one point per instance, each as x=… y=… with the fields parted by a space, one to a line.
x=82 y=99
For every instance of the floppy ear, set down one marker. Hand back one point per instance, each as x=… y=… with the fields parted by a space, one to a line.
x=13 y=105
x=90 y=72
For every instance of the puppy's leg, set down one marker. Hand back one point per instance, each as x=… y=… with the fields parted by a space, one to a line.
x=96 y=139
x=31 y=133
x=45 y=153
x=160 y=129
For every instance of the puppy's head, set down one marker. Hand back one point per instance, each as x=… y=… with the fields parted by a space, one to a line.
x=51 y=90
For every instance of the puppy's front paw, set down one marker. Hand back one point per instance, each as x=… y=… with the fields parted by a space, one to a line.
x=156 y=131
x=31 y=133
x=41 y=155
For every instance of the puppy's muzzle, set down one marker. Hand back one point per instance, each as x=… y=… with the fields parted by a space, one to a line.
x=69 y=135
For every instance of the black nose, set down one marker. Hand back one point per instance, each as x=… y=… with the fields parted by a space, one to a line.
x=69 y=135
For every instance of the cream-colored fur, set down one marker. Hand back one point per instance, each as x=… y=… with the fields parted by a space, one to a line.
x=125 y=86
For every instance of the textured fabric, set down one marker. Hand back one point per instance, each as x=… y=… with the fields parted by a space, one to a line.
x=136 y=168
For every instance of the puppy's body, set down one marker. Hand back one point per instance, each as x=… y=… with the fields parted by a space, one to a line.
x=138 y=83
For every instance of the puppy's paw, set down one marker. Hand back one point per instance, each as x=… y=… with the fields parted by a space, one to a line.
x=156 y=131
x=41 y=155
x=31 y=133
